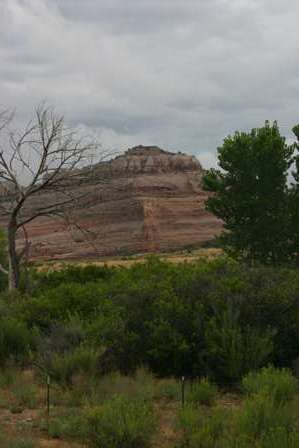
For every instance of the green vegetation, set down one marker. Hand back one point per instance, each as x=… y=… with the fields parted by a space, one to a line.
x=120 y=423
x=253 y=198
x=216 y=319
x=202 y=392
x=201 y=429
x=262 y=419
x=169 y=389
x=15 y=338
x=261 y=414
x=280 y=385
x=116 y=344
x=294 y=203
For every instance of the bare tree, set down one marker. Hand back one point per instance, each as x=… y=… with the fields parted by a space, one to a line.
x=39 y=167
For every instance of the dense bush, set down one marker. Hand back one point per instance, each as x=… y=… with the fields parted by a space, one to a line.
x=279 y=438
x=261 y=414
x=69 y=423
x=202 y=392
x=215 y=318
x=201 y=430
x=70 y=274
x=120 y=423
x=169 y=389
x=281 y=385
x=233 y=349
x=256 y=423
x=15 y=339
x=64 y=366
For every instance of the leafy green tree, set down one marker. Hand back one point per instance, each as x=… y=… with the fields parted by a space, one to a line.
x=294 y=203
x=250 y=194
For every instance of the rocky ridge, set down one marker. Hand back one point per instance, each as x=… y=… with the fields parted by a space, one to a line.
x=147 y=199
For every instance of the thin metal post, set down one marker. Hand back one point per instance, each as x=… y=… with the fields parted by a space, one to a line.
x=183 y=391
x=48 y=395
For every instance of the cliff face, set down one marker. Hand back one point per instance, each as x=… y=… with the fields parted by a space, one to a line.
x=147 y=200
x=153 y=160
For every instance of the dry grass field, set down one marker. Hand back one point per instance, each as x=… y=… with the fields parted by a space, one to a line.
x=127 y=261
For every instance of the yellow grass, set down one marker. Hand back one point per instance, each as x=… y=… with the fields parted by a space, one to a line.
x=176 y=257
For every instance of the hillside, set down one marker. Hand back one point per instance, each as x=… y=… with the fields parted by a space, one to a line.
x=146 y=200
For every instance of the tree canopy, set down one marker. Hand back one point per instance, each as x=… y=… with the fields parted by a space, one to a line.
x=250 y=193
x=294 y=203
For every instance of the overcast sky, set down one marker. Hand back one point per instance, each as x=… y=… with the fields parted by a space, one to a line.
x=180 y=74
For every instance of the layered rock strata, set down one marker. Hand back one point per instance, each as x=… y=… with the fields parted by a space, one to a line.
x=146 y=200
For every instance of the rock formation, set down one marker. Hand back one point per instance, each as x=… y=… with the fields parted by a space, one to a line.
x=147 y=200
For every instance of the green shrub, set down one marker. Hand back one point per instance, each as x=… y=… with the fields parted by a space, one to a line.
x=66 y=335
x=261 y=414
x=202 y=392
x=120 y=423
x=64 y=422
x=15 y=339
x=57 y=304
x=168 y=389
x=64 y=366
x=92 y=390
x=71 y=274
x=279 y=438
x=56 y=429
x=201 y=430
x=280 y=384
x=233 y=349
x=218 y=319
x=190 y=419
x=65 y=426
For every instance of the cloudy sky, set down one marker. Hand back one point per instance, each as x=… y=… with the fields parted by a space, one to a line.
x=180 y=74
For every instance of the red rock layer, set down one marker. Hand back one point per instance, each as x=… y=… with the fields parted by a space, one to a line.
x=152 y=200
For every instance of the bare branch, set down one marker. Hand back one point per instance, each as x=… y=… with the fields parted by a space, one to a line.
x=3 y=270
x=41 y=170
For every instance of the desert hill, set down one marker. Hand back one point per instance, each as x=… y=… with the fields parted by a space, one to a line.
x=145 y=200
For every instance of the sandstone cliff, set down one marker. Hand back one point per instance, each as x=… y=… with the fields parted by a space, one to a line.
x=148 y=200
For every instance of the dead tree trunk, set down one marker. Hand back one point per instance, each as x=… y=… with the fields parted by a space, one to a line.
x=14 y=268
x=51 y=158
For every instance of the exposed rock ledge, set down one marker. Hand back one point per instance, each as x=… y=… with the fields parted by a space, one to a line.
x=152 y=200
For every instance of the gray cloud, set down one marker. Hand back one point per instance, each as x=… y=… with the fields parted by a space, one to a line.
x=178 y=73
